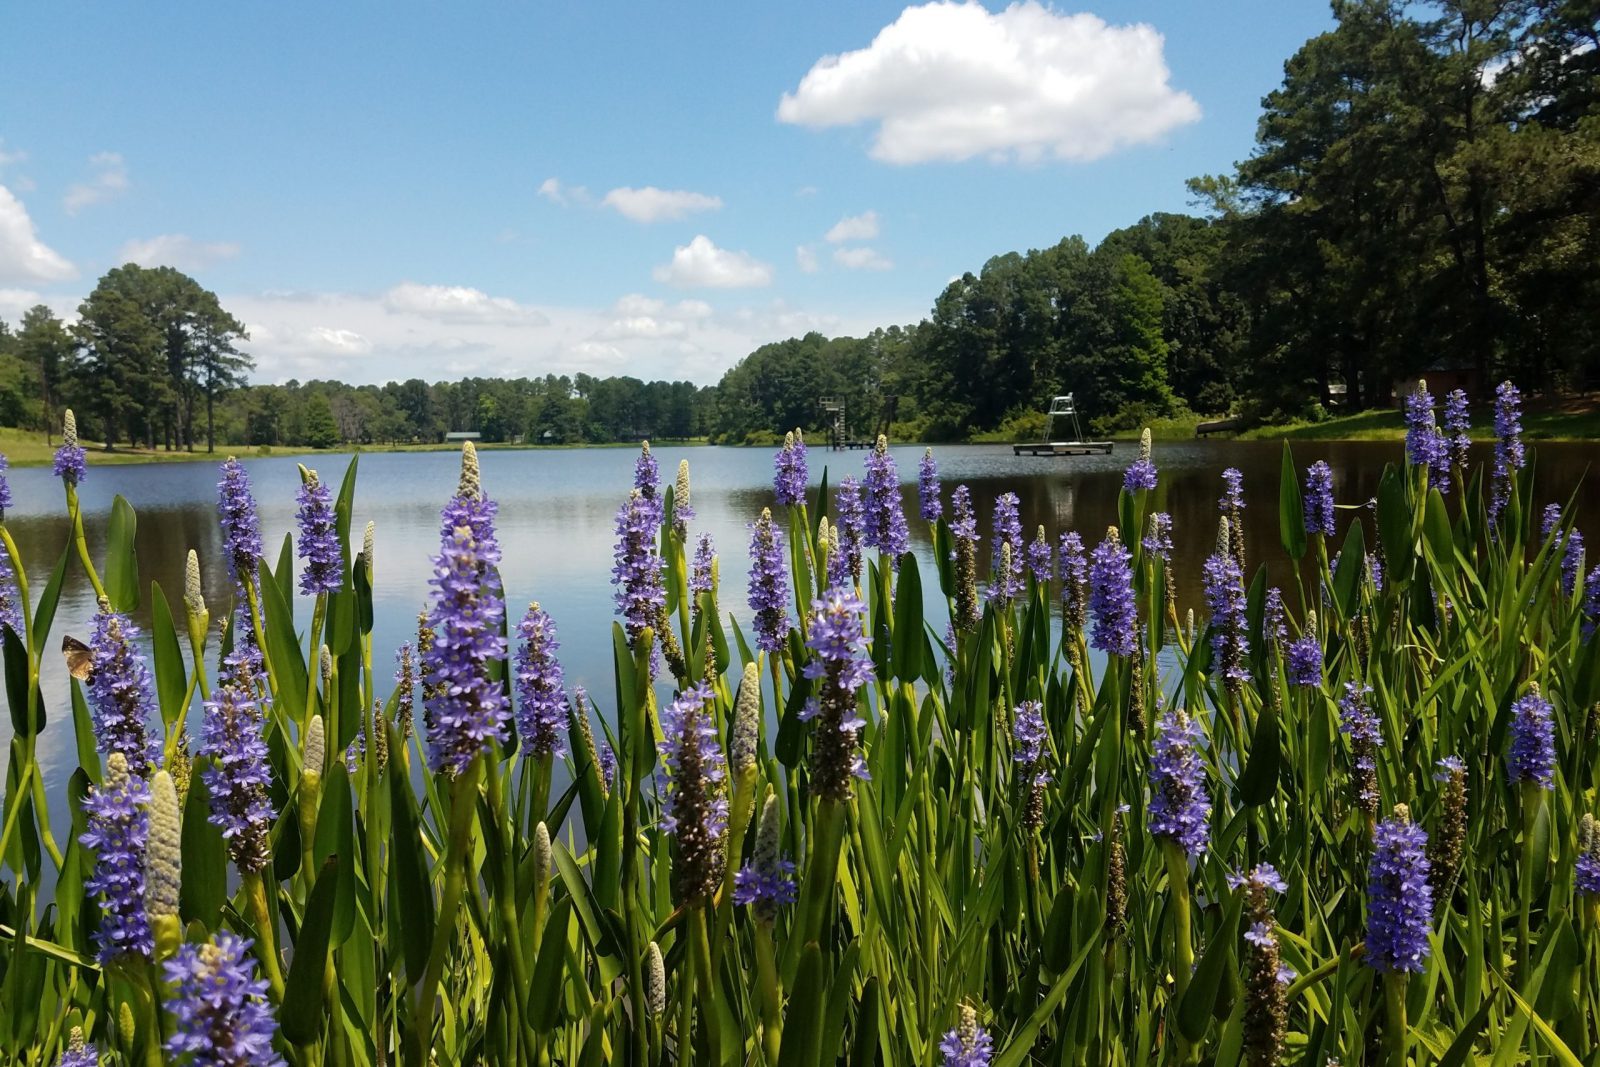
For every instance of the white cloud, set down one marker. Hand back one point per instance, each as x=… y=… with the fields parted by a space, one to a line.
x=701 y=264
x=862 y=227
x=177 y=250
x=949 y=81
x=8 y=158
x=656 y=205
x=861 y=258
x=23 y=257
x=647 y=326
x=339 y=342
x=110 y=179
x=805 y=257
x=456 y=303
x=553 y=190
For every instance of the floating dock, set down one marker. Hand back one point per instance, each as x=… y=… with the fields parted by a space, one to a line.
x=1228 y=425
x=1062 y=448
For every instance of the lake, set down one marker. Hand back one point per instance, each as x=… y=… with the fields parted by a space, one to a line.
x=557 y=509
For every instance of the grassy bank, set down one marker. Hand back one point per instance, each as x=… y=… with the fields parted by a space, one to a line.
x=1565 y=419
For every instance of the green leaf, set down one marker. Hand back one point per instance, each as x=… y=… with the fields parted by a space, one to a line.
x=1201 y=997
x=16 y=668
x=802 y=1028
x=908 y=640
x=864 y=1043
x=1352 y=565
x=122 y=562
x=1260 y=778
x=335 y=837
x=204 y=887
x=44 y=616
x=1395 y=525
x=301 y=1014
x=415 y=915
x=545 y=992
x=172 y=677
x=1291 y=508
x=283 y=649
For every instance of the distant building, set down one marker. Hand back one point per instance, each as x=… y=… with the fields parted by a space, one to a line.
x=463 y=435
x=1443 y=376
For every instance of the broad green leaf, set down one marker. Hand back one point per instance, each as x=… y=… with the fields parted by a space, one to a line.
x=122 y=562
x=172 y=677
x=302 y=1014
x=1291 y=509
x=204 y=885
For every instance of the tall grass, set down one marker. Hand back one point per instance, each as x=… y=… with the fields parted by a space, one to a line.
x=692 y=870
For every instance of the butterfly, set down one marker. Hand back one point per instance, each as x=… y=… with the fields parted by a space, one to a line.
x=80 y=658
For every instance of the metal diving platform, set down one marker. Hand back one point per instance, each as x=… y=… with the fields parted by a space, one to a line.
x=1062 y=407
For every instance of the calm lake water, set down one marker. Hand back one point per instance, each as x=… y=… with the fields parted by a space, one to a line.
x=557 y=508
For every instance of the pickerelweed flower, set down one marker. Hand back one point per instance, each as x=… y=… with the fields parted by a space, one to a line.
x=1266 y=1010
x=1141 y=473
x=1225 y=599
x=700 y=568
x=769 y=584
x=636 y=569
x=1572 y=562
x=1591 y=602
x=1028 y=752
x=1157 y=539
x=121 y=689
x=766 y=883
x=1039 y=561
x=405 y=679
x=220 y=1011
x=1549 y=520
x=840 y=665
x=1005 y=584
x=1232 y=491
x=694 y=808
x=968 y=1045
x=79 y=1053
x=1587 y=872
x=1072 y=566
x=71 y=465
x=10 y=612
x=1399 y=896
x=1275 y=622
x=319 y=537
x=1304 y=656
x=1319 y=499
x=118 y=828
x=541 y=687
x=682 y=503
x=1509 y=456
x=1375 y=571
x=1457 y=427
x=1445 y=852
x=1179 y=806
x=469 y=708
x=790 y=474
x=241 y=529
x=886 y=528
x=647 y=479
x=964 y=551
x=1532 y=757
x=1111 y=603
x=5 y=485
x=849 y=531
x=239 y=775
x=928 y=488
x=1425 y=445
x=1360 y=723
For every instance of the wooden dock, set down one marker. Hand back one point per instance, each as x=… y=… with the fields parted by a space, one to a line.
x=1062 y=448
x=1229 y=425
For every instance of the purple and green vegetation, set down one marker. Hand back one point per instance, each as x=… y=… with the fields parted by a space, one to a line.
x=1325 y=820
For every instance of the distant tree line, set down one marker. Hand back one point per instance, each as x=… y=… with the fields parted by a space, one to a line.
x=1424 y=192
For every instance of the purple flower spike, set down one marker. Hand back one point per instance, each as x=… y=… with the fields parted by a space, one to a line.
x=319 y=538
x=71 y=465
x=220 y=1009
x=239 y=776
x=1457 y=427
x=1232 y=491
x=541 y=687
x=1305 y=657
x=121 y=694
x=849 y=530
x=1141 y=473
x=1157 y=541
x=1572 y=562
x=1399 y=896
x=5 y=486
x=886 y=520
x=705 y=555
x=840 y=666
x=769 y=584
x=790 y=473
x=1425 y=445
x=1006 y=586
x=928 y=488
x=1179 y=807
x=1225 y=598
x=118 y=818
x=1591 y=602
x=1111 y=603
x=1509 y=456
x=1533 y=741
x=1039 y=557
x=79 y=1053
x=766 y=883
x=968 y=1044
x=469 y=708
x=1360 y=723
x=1319 y=499
x=636 y=570
x=695 y=806
x=1029 y=734
x=1072 y=564
x=241 y=529
x=1275 y=618
x=1587 y=873
x=647 y=479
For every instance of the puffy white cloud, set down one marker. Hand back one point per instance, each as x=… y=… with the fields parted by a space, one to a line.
x=657 y=205
x=805 y=257
x=700 y=264
x=645 y=326
x=949 y=81
x=862 y=227
x=861 y=258
x=177 y=250
x=554 y=191
x=23 y=257
x=109 y=180
x=457 y=303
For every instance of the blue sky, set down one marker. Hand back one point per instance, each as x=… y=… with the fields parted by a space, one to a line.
x=388 y=190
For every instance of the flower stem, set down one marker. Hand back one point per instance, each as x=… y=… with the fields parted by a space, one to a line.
x=1394 y=1035
x=462 y=804
x=256 y=896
